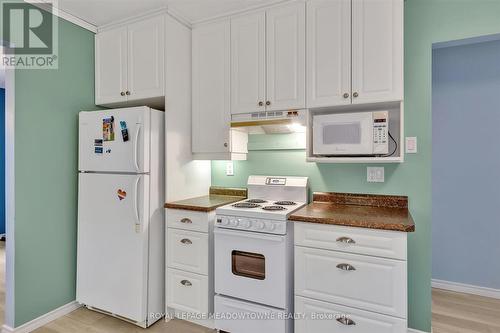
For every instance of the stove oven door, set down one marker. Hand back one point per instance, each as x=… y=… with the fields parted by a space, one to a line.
x=251 y=266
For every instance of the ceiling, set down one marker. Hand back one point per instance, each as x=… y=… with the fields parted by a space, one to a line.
x=101 y=12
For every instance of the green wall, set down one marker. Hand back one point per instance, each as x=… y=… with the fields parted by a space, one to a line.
x=426 y=22
x=46 y=145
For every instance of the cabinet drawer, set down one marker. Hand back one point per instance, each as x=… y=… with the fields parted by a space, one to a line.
x=362 y=321
x=187 y=291
x=369 y=283
x=188 y=220
x=256 y=318
x=379 y=243
x=188 y=250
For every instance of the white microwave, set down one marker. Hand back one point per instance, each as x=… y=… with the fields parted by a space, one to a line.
x=347 y=134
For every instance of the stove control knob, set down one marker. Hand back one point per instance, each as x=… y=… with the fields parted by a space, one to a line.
x=245 y=224
x=260 y=225
x=233 y=222
x=237 y=222
x=271 y=226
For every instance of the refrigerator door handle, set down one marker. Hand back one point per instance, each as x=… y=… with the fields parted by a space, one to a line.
x=136 y=147
x=136 y=206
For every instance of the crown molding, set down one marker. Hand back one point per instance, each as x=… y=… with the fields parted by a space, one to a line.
x=46 y=5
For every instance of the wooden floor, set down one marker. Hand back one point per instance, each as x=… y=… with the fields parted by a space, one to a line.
x=451 y=313
x=86 y=321
x=462 y=313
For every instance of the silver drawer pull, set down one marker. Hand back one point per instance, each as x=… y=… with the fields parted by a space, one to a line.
x=186 y=241
x=346 y=240
x=186 y=283
x=346 y=267
x=346 y=321
x=186 y=221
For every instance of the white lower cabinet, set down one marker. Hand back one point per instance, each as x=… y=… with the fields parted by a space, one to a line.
x=245 y=317
x=187 y=220
x=187 y=291
x=323 y=317
x=190 y=277
x=375 y=284
x=187 y=251
x=344 y=284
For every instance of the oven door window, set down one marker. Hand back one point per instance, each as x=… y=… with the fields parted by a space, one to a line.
x=249 y=265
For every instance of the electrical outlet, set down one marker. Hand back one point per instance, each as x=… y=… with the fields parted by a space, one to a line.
x=411 y=145
x=229 y=168
x=375 y=174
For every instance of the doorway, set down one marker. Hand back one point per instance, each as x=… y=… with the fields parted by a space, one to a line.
x=466 y=185
x=2 y=194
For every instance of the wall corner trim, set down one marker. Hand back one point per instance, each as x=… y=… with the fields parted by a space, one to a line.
x=466 y=288
x=43 y=319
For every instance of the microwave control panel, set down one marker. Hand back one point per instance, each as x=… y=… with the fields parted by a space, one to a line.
x=381 y=132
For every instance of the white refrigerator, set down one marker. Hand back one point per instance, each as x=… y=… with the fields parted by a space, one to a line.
x=120 y=260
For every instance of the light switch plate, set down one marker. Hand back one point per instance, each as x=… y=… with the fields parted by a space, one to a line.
x=411 y=145
x=229 y=168
x=375 y=174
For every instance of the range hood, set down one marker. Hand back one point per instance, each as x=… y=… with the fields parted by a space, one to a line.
x=270 y=122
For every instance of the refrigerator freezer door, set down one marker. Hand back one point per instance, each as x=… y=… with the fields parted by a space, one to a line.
x=113 y=244
x=115 y=140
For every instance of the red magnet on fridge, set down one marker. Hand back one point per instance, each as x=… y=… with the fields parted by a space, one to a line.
x=122 y=194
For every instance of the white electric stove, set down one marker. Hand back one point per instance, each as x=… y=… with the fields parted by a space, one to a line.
x=254 y=256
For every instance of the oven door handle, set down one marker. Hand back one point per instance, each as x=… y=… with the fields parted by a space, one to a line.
x=247 y=234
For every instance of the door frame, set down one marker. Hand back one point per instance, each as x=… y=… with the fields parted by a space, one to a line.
x=9 y=193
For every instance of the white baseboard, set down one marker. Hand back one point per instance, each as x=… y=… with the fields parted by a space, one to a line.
x=466 y=288
x=43 y=320
x=411 y=330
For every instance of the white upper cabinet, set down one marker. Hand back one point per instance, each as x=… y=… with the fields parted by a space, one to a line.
x=111 y=66
x=268 y=60
x=248 y=63
x=211 y=84
x=286 y=57
x=146 y=49
x=354 y=52
x=212 y=136
x=130 y=63
x=328 y=53
x=377 y=50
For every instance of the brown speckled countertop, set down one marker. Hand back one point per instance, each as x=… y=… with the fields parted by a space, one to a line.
x=218 y=197
x=385 y=212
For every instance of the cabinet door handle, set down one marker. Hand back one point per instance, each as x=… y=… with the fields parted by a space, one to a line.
x=355 y=95
x=346 y=240
x=122 y=93
x=186 y=283
x=127 y=93
x=346 y=95
x=186 y=221
x=186 y=241
x=261 y=103
x=346 y=267
x=346 y=321
x=268 y=103
x=225 y=144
